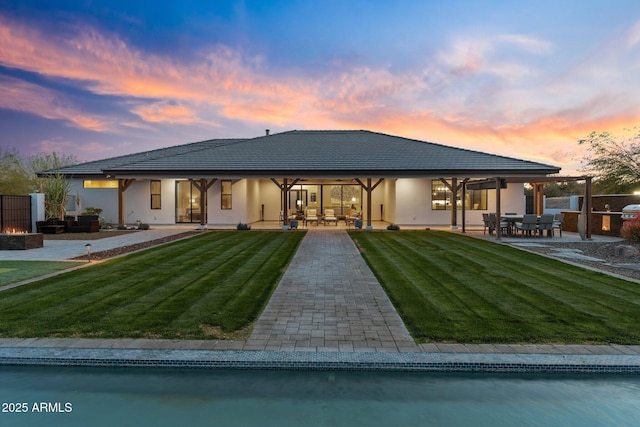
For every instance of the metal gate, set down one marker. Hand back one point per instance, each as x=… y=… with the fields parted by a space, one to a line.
x=15 y=213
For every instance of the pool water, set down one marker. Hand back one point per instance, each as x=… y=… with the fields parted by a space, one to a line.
x=160 y=397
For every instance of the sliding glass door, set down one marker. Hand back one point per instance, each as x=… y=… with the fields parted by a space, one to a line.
x=188 y=209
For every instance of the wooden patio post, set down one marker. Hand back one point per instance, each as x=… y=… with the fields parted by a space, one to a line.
x=498 y=214
x=369 y=189
x=203 y=203
x=588 y=201
x=454 y=203
x=123 y=184
x=464 y=199
x=369 y=226
x=285 y=203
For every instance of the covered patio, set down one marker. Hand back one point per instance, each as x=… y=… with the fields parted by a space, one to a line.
x=393 y=179
x=537 y=183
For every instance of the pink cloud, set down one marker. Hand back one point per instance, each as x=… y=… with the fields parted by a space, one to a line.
x=22 y=96
x=163 y=112
x=486 y=93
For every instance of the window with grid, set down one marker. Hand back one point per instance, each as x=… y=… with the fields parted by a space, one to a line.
x=225 y=194
x=441 y=197
x=156 y=198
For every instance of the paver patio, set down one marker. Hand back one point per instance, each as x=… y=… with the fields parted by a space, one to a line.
x=329 y=300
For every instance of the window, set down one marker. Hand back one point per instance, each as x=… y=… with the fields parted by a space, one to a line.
x=226 y=194
x=441 y=198
x=105 y=183
x=156 y=199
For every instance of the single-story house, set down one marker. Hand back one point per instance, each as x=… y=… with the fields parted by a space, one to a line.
x=223 y=182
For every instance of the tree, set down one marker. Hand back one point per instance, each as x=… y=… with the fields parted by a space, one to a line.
x=54 y=185
x=19 y=176
x=615 y=161
x=15 y=177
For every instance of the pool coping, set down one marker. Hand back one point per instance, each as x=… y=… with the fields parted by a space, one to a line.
x=324 y=361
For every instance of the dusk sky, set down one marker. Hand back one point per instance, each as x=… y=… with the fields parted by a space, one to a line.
x=526 y=79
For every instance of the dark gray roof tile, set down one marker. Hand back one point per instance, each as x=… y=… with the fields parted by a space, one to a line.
x=315 y=153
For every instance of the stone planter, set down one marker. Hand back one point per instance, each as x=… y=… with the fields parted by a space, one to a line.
x=20 y=241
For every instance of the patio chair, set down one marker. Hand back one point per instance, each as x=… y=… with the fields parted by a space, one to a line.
x=330 y=216
x=546 y=223
x=487 y=224
x=557 y=222
x=529 y=224
x=504 y=225
x=312 y=216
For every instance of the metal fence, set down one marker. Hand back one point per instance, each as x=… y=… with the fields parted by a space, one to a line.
x=15 y=213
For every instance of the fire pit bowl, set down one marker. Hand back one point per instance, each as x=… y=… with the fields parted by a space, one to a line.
x=11 y=240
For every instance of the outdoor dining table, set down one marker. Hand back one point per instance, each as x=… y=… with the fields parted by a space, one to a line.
x=511 y=219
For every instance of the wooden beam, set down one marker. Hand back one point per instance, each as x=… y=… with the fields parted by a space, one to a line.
x=454 y=203
x=369 y=189
x=454 y=187
x=588 y=201
x=285 y=203
x=284 y=189
x=202 y=185
x=464 y=198
x=498 y=213
x=369 y=226
x=203 y=202
x=123 y=185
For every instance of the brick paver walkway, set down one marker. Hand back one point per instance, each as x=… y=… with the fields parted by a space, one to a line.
x=329 y=299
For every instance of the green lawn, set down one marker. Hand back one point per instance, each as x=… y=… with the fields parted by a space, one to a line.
x=17 y=271
x=212 y=285
x=453 y=288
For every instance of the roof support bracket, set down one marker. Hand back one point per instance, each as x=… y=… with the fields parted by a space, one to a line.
x=369 y=189
x=284 y=188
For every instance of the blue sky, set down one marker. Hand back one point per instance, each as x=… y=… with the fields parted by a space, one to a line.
x=517 y=78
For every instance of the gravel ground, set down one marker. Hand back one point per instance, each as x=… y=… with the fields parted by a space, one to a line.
x=86 y=236
x=136 y=247
x=628 y=266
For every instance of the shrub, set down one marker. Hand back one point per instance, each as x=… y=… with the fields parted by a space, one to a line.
x=143 y=226
x=92 y=211
x=242 y=226
x=394 y=227
x=631 y=229
x=122 y=227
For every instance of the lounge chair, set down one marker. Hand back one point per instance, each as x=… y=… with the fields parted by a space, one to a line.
x=330 y=216
x=312 y=216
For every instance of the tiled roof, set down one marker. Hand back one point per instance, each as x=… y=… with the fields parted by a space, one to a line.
x=98 y=167
x=321 y=153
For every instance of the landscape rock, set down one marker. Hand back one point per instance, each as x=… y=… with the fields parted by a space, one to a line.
x=626 y=251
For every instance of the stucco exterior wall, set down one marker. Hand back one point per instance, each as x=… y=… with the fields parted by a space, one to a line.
x=270 y=197
x=405 y=201
x=389 y=195
x=137 y=203
x=413 y=204
x=238 y=212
